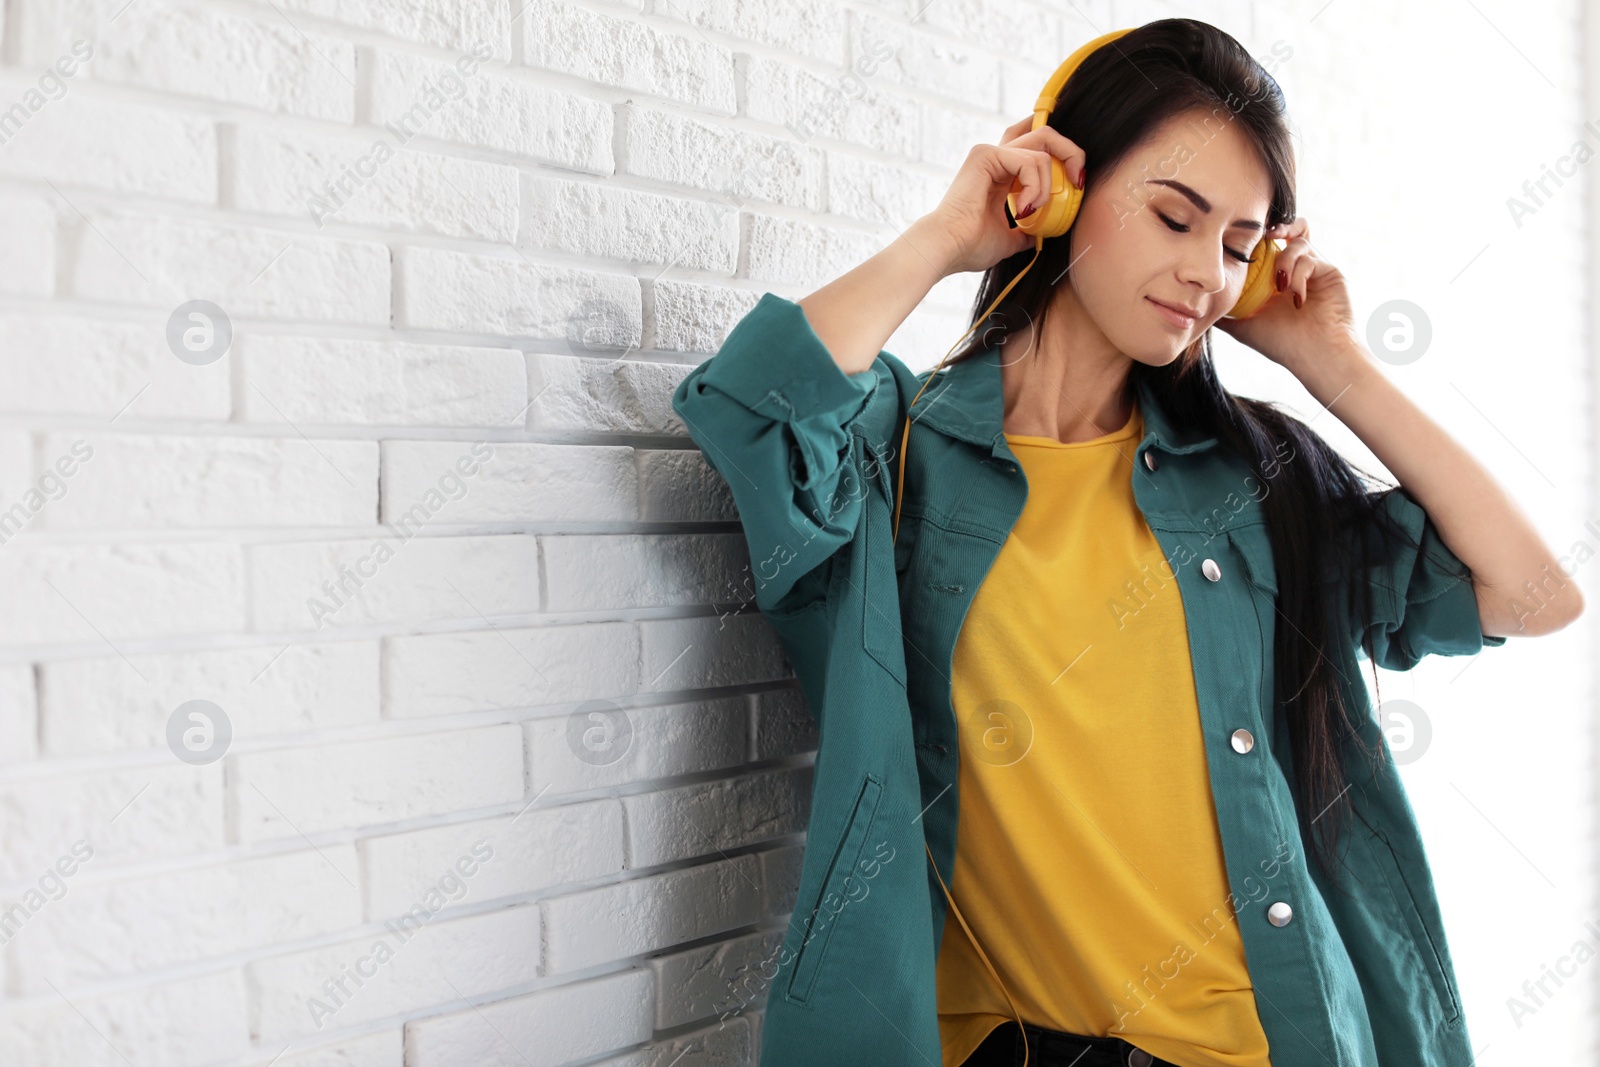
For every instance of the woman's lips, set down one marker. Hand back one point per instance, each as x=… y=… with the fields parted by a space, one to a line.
x=1176 y=318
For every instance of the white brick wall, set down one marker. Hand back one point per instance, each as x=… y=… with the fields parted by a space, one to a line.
x=431 y=522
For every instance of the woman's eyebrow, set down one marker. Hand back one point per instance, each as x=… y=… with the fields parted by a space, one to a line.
x=1201 y=202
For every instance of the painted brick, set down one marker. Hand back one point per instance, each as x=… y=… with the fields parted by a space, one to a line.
x=370 y=181
x=122 y=703
x=314 y=381
x=492 y=110
x=92 y=593
x=590 y=572
x=448 y=673
x=186 y=916
x=19 y=721
x=133 y=814
x=77 y=366
x=389 y=579
x=267 y=63
x=565 y=1024
x=294 y=791
x=678 y=485
x=713 y=817
x=627 y=54
x=811 y=28
x=644 y=227
x=115 y=146
x=247 y=271
x=147 y=482
x=734 y=166
x=504 y=856
x=199 y=1019
x=399 y=969
x=28 y=256
x=598 y=745
x=517 y=483
x=650 y=914
x=689 y=317
x=506 y=295
x=603 y=396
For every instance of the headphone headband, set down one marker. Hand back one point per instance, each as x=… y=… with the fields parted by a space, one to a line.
x=1051 y=92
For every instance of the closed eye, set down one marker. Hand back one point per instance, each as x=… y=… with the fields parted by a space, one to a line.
x=1181 y=228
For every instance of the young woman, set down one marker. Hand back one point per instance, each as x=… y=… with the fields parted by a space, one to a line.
x=1112 y=608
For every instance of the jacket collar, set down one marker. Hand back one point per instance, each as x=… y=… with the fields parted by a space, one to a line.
x=965 y=401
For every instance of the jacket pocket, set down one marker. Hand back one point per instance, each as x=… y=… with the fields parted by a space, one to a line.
x=1254 y=547
x=880 y=594
x=1254 y=543
x=1424 y=943
x=838 y=893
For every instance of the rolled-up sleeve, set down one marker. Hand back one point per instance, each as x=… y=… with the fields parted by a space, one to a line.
x=771 y=412
x=1422 y=601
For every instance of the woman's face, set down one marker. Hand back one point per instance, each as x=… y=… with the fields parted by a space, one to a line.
x=1170 y=226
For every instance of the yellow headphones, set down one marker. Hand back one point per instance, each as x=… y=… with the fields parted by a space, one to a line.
x=1054 y=217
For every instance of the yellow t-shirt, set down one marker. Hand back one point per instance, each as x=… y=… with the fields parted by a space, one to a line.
x=1088 y=859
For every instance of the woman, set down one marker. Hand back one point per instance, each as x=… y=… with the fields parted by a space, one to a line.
x=1124 y=606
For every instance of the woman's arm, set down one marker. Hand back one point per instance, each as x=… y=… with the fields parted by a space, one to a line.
x=1474 y=515
x=855 y=314
x=1520 y=585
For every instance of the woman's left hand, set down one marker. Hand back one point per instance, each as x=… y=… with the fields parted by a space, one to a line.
x=1310 y=316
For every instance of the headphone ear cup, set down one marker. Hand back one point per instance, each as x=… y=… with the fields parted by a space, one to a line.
x=1056 y=214
x=1260 y=283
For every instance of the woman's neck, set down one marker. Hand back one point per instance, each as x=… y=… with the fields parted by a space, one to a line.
x=1070 y=383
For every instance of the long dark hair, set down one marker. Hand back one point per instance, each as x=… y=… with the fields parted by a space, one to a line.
x=1110 y=105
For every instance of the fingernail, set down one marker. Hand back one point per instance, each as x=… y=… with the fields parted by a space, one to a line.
x=1030 y=211
x=1297 y=300
x=1283 y=279
x=1083 y=176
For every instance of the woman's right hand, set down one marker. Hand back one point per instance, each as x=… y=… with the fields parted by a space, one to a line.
x=971 y=218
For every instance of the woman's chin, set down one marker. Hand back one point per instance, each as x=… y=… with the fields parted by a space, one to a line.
x=1161 y=353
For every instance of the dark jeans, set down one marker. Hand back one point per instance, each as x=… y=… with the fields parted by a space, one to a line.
x=1054 y=1048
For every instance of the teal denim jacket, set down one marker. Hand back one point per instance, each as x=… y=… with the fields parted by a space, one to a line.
x=810 y=454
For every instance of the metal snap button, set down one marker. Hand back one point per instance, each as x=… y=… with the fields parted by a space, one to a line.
x=1138 y=1057
x=1210 y=569
x=1243 y=740
x=1150 y=458
x=1280 y=914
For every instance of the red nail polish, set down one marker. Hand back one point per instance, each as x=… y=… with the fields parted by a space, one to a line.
x=1282 y=280
x=1031 y=209
x=1297 y=300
